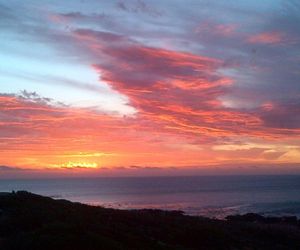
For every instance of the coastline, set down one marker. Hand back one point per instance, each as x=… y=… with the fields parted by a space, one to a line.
x=30 y=221
x=213 y=197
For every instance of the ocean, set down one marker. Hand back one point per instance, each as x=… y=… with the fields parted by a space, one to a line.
x=211 y=196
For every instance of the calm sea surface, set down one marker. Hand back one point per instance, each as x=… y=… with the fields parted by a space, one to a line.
x=213 y=196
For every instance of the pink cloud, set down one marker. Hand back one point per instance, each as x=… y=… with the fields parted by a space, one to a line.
x=177 y=91
x=274 y=37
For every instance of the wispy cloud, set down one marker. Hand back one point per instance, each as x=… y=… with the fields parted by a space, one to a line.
x=9 y=169
x=139 y=6
x=267 y=38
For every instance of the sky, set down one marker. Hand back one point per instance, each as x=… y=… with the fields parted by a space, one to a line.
x=154 y=87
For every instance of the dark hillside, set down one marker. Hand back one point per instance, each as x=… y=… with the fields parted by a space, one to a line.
x=29 y=221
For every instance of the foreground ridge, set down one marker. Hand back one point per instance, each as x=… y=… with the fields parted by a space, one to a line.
x=30 y=221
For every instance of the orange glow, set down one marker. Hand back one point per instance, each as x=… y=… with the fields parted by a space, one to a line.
x=72 y=165
x=85 y=139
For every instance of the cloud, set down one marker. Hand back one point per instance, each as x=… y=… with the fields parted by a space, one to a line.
x=29 y=113
x=282 y=115
x=69 y=19
x=36 y=134
x=139 y=6
x=179 y=90
x=165 y=84
x=267 y=38
x=8 y=169
x=209 y=28
x=194 y=82
x=147 y=168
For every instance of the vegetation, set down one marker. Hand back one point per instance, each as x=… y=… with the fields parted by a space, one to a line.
x=33 y=222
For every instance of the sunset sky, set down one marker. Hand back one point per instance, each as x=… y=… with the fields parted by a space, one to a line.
x=149 y=87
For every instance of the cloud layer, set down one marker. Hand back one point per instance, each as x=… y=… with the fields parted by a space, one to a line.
x=192 y=90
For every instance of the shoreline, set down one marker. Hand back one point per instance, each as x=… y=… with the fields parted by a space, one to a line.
x=214 y=197
x=30 y=221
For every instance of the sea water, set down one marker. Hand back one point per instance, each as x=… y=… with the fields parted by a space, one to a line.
x=211 y=196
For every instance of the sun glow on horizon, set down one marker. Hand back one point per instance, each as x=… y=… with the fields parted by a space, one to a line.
x=81 y=165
